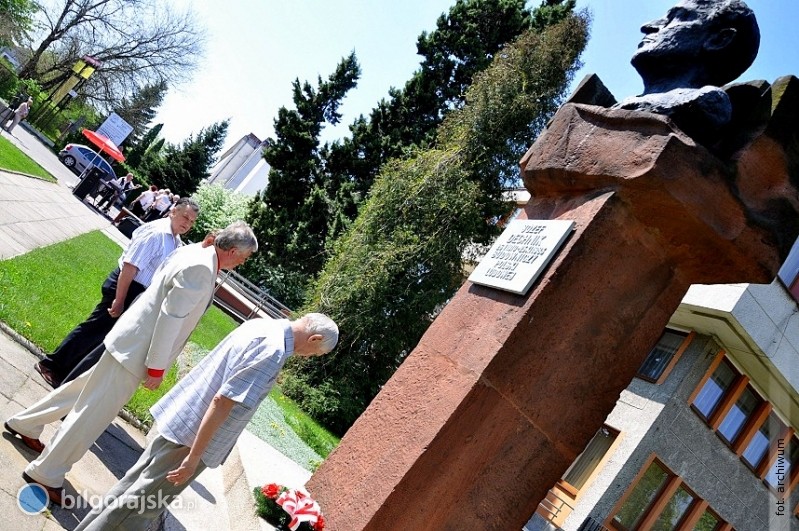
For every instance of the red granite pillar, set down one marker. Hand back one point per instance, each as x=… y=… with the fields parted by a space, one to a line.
x=504 y=390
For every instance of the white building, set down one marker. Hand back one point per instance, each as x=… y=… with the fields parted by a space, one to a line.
x=242 y=168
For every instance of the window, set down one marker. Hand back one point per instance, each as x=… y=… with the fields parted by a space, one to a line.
x=762 y=441
x=740 y=413
x=675 y=510
x=663 y=356
x=789 y=272
x=745 y=421
x=715 y=387
x=709 y=521
x=581 y=469
x=641 y=497
x=659 y=500
x=781 y=473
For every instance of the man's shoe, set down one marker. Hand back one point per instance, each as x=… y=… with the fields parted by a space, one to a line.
x=34 y=444
x=55 y=493
x=47 y=375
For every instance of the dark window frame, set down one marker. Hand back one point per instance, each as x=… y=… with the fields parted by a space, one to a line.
x=688 y=337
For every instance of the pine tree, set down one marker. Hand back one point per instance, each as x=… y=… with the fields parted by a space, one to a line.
x=289 y=214
x=140 y=109
x=401 y=259
x=182 y=168
x=135 y=154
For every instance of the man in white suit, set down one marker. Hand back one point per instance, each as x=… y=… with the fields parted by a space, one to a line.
x=139 y=349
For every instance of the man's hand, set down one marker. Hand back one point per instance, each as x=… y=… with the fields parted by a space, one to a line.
x=182 y=473
x=116 y=309
x=152 y=382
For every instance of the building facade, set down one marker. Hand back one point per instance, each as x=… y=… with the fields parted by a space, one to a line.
x=704 y=438
x=242 y=168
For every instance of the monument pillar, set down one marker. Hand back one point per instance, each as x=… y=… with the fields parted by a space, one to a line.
x=505 y=390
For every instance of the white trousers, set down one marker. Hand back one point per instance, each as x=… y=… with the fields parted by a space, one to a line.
x=90 y=403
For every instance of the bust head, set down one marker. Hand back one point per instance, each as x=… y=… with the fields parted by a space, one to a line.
x=697 y=43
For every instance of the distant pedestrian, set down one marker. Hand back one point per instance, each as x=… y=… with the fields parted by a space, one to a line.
x=20 y=114
x=111 y=194
x=160 y=206
x=143 y=202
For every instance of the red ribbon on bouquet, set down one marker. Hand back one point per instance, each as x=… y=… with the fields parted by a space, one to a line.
x=300 y=508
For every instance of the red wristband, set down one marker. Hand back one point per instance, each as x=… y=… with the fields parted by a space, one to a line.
x=155 y=373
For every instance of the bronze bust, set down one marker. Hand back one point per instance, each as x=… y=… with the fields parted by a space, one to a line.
x=684 y=57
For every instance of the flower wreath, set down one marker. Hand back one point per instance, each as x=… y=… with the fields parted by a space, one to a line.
x=288 y=509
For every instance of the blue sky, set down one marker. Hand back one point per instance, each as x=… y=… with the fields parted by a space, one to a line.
x=256 y=48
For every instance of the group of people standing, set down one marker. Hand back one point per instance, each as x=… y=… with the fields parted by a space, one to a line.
x=150 y=205
x=154 y=203
x=150 y=304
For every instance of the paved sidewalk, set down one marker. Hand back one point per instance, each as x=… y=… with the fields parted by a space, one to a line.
x=113 y=453
x=35 y=213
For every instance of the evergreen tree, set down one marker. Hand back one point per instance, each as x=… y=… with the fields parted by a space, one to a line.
x=329 y=182
x=401 y=260
x=140 y=109
x=135 y=154
x=464 y=42
x=290 y=213
x=182 y=168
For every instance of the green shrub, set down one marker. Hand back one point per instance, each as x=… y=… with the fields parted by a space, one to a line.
x=219 y=208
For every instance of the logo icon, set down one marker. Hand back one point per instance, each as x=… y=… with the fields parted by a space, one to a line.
x=32 y=499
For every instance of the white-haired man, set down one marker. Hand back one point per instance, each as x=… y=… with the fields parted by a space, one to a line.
x=140 y=347
x=201 y=418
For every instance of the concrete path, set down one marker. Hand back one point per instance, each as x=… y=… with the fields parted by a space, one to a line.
x=36 y=213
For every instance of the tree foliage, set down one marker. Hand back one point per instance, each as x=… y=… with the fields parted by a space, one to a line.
x=329 y=182
x=139 y=42
x=402 y=258
x=219 y=208
x=290 y=214
x=182 y=168
x=464 y=42
x=16 y=20
x=140 y=108
x=135 y=155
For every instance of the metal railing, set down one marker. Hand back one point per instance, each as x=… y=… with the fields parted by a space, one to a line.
x=589 y=524
x=258 y=299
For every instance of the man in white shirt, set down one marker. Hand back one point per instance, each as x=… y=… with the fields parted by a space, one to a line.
x=150 y=245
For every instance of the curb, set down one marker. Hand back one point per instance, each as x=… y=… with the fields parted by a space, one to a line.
x=25 y=342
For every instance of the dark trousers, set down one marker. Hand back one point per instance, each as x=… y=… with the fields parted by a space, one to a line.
x=88 y=361
x=88 y=335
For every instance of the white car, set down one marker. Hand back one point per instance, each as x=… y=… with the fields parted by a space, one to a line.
x=78 y=157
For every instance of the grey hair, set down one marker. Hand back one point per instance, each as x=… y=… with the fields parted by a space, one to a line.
x=239 y=235
x=319 y=323
x=187 y=202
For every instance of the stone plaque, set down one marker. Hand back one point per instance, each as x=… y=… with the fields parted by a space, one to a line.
x=520 y=254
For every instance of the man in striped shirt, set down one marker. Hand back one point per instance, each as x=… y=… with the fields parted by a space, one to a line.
x=150 y=245
x=200 y=419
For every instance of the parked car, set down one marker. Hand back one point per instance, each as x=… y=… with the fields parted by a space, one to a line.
x=78 y=157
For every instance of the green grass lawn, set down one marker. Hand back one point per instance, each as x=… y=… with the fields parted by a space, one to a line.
x=11 y=158
x=46 y=292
